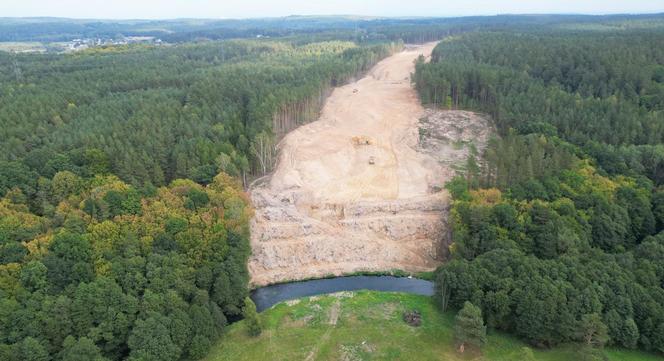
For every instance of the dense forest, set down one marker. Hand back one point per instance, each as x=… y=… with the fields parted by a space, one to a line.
x=154 y=115
x=558 y=229
x=120 y=274
x=123 y=218
x=124 y=224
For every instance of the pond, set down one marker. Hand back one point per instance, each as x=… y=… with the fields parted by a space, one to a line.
x=266 y=297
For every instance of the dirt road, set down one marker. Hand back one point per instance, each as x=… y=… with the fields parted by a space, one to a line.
x=353 y=191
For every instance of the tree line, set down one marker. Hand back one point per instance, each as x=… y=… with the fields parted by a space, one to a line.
x=122 y=273
x=601 y=91
x=151 y=115
x=558 y=227
x=123 y=219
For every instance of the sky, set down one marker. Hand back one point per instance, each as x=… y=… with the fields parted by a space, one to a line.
x=170 y=9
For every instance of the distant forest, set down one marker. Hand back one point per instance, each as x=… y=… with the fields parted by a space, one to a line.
x=558 y=228
x=355 y=28
x=123 y=218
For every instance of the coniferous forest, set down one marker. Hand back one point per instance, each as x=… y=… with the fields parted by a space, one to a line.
x=558 y=228
x=123 y=220
x=124 y=225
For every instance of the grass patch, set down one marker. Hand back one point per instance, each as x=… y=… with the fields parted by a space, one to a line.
x=460 y=144
x=370 y=327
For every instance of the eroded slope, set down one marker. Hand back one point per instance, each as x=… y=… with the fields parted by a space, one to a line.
x=360 y=189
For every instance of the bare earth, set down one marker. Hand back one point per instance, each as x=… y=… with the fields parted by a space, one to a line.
x=360 y=189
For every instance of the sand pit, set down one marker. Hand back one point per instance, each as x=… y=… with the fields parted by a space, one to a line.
x=355 y=190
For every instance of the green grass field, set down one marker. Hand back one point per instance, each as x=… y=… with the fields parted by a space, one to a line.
x=369 y=326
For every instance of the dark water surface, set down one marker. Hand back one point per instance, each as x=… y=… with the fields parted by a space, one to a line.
x=266 y=297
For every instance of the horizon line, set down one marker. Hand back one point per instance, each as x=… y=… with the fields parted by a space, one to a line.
x=371 y=17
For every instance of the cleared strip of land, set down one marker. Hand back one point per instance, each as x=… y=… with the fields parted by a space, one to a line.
x=357 y=190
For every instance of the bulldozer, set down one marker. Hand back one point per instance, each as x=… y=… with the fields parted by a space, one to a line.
x=361 y=140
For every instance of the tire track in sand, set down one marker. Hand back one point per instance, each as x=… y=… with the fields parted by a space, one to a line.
x=335 y=310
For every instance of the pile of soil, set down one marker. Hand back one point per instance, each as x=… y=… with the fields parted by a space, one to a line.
x=413 y=318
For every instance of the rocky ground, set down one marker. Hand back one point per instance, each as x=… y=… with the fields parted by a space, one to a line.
x=446 y=135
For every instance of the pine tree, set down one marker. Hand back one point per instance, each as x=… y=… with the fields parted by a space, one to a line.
x=469 y=326
x=472 y=168
x=592 y=331
x=251 y=317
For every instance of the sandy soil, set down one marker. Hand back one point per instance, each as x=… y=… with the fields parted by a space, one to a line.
x=356 y=190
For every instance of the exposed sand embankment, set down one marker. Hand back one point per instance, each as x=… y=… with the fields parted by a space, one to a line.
x=360 y=189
